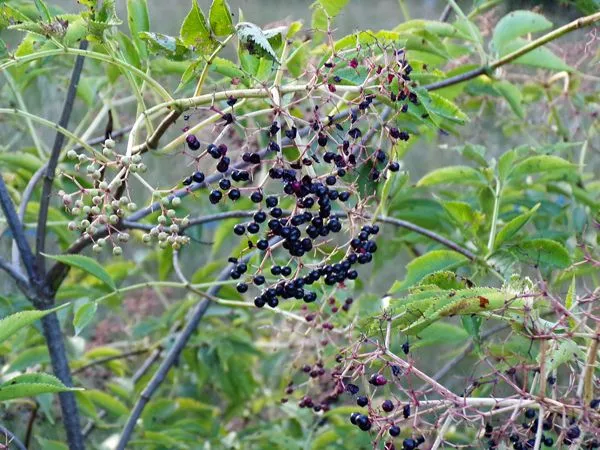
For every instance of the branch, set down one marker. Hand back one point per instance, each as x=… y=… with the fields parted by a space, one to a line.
x=16 y=228
x=40 y=239
x=11 y=438
x=14 y=272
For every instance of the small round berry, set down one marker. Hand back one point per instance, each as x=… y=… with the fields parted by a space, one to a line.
x=239 y=229
x=286 y=271
x=275 y=270
x=394 y=430
x=362 y=401
x=330 y=180
x=353 y=417
x=256 y=197
x=406 y=348
x=215 y=196
x=393 y=166
x=271 y=201
x=530 y=413
x=253 y=228
x=187 y=181
x=409 y=444
x=223 y=165
x=234 y=194
x=259 y=280
x=276 y=212
x=198 y=177
x=213 y=151
x=260 y=216
x=406 y=411
x=387 y=406
x=192 y=142
x=548 y=441
x=242 y=287
x=224 y=184
x=595 y=403
x=262 y=244
x=573 y=432
x=117 y=251
x=363 y=422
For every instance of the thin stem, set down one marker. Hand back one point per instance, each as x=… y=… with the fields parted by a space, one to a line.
x=99 y=361
x=40 y=238
x=404 y=10
x=474 y=36
x=209 y=61
x=93 y=55
x=494 y=225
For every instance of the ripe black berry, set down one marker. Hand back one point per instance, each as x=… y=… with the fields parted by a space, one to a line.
x=262 y=244
x=253 y=228
x=187 y=181
x=259 y=280
x=213 y=151
x=224 y=184
x=354 y=133
x=595 y=403
x=573 y=432
x=192 y=142
x=352 y=388
x=387 y=406
x=271 y=201
x=239 y=229
x=260 y=216
x=242 y=287
x=353 y=417
x=234 y=194
x=393 y=166
x=406 y=348
x=276 y=212
x=530 y=413
x=215 y=196
x=286 y=271
x=322 y=140
x=548 y=442
x=409 y=444
x=394 y=430
x=406 y=411
x=363 y=422
x=231 y=101
x=198 y=177
x=362 y=401
x=275 y=270
x=256 y=197
x=223 y=165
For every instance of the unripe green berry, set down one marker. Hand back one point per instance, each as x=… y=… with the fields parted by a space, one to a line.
x=176 y=245
x=176 y=201
x=125 y=160
x=72 y=226
x=96 y=248
x=171 y=213
x=136 y=159
x=162 y=236
x=97 y=175
x=113 y=219
x=142 y=168
x=103 y=185
x=123 y=200
x=146 y=238
x=82 y=158
x=162 y=220
x=86 y=209
x=185 y=222
x=131 y=206
x=96 y=210
x=75 y=211
x=154 y=231
x=133 y=168
x=78 y=203
x=84 y=223
x=163 y=244
x=109 y=143
x=102 y=242
x=72 y=154
x=165 y=201
x=117 y=251
x=174 y=228
x=123 y=237
x=107 y=152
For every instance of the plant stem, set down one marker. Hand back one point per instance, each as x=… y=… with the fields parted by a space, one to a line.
x=93 y=55
x=209 y=61
x=404 y=10
x=494 y=225
x=11 y=439
x=474 y=35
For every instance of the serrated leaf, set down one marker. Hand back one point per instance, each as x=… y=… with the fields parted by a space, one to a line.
x=567 y=351
x=333 y=7
x=253 y=37
x=84 y=315
x=540 y=57
x=30 y=385
x=428 y=263
x=86 y=264
x=440 y=106
x=541 y=164
x=195 y=32
x=220 y=18
x=139 y=21
x=107 y=402
x=516 y=24
x=453 y=175
x=543 y=252
x=513 y=227
x=13 y=323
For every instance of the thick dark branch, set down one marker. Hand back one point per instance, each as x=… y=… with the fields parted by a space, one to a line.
x=11 y=439
x=16 y=227
x=40 y=239
x=13 y=272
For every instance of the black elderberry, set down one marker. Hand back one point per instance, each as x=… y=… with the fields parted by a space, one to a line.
x=530 y=413
x=262 y=244
x=404 y=136
x=363 y=422
x=380 y=155
x=256 y=197
x=224 y=184
x=239 y=229
x=253 y=228
x=409 y=444
x=406 y=347
x=406 y=411
x=192 y=142
x=362 y=401
x=213 y=151
x=259 y=280
x=254 y=158
x=377 y=379
x=260 y=216
x=387 y=406
x=517 y=446
x=291 y=133
x=394 y=430
x=198 y=177
x=341 y=173
x=394 y=132
x=344 y=196
x=274 y=147
x=353 y=417
x=227 y=118
x=271 y=201
x=231 y=101
x=215 y=196
x=420 y=440
x=234 y=194
x=286 y=271
x=548 y=441
x=187 y=181
x=259 y=302
x=352 y=388
x=234 y=274
x=276 y=270
x=274 y=128
x=393 y=166
x=354 y=133
x=276 y=212
x=573 y=432
x=223 y=164
x=310 y=297
x=273 y=302
x=595 y=403
x=330 y=180
x=242 y=287
x=322 y=140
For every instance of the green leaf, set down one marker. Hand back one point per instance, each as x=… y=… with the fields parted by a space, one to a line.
x=21 y=160
x=569 y=301
x=43 y=10
x=139 y=21
x=255 y=40
x=164 y=44
x=30 y=385
x=84 y=315
x=194 y=31
x=541 y=164
x=220 y=18
x=516 y=24
x=428 y=263
x=513 y=227
x=86 y=264
x=107 y=402
x=440 y=106
x=453 y=175
x=333 y=7
x=567 y=351
x=543 y=252
x=29 y=357
x=540 y=57
x=513 y=96
x=13 y=323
